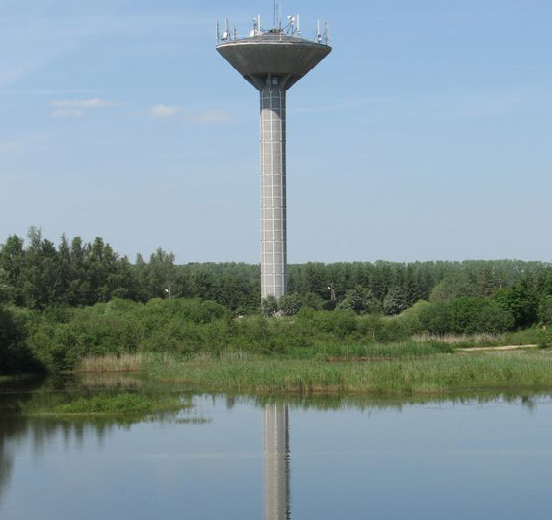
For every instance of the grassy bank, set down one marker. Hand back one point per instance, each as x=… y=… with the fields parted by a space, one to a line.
x=398 y=368
x=103 y=404
x=439 y=373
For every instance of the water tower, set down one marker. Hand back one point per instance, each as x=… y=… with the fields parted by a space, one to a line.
x=273 y=61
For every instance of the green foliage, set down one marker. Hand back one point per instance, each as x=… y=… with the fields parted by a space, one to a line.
x=15 y=357
x=105 y=403
x=62 y=337
x=521 y=301
x=123 y=403
x=36 y=274
x=314 y=301
x=359 y=300
x=290 y=304
x=545 y=310
x=85 y=299
x=269 y=306
x=464 y=315
x=453 y=286
x=394 y=301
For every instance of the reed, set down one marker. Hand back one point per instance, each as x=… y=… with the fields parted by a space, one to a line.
x=111 y=363
x=439 y=374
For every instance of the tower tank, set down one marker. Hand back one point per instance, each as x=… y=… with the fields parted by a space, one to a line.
x=273 y=61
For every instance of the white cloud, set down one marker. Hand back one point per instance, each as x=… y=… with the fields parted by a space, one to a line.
x=206 y=116
x=68 y=113
x=210 y=116
x=84 y=103
x=164 y=110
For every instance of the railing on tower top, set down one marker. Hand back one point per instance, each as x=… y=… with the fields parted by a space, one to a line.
x=292 y=28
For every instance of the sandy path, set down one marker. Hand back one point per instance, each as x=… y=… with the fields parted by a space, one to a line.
x=507 y=347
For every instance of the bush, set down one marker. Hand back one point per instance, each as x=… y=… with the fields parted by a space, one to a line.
x=465 y=315
x=545 y=310
x=269 y=306
x=15 y=357
x=339 y=323
x=290 y=304
x=360 y=300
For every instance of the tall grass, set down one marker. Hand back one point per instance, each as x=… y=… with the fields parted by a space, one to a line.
x=533 y=335
x=438 y=374
x=111 y=363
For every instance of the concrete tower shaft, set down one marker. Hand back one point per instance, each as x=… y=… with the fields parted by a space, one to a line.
x=273 y=62
x=273 y=189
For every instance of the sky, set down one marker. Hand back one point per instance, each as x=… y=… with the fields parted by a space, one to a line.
x=425 y=135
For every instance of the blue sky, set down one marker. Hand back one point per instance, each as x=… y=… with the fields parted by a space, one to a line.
x=426 y=134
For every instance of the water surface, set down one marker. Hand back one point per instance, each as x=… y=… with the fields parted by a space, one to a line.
x=245 y=458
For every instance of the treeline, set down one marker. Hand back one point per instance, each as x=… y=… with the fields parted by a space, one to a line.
x=59 y=303
x=37 y=274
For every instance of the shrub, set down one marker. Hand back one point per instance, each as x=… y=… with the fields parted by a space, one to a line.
x=15 y=357
x=360 y=300
x=290 y=304
x=269 y=306
x=465 y=315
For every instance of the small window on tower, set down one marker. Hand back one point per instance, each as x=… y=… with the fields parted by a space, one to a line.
x=275 y=81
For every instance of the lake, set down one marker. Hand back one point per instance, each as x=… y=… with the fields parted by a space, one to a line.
x=234 y=457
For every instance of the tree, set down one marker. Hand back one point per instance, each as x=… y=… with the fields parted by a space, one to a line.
x=452 y=287
x=161 y=273
x=521 y=301
x=315 y=279
x=40 y=273
x=15 y=357
x=394 y=301
x=12 y=262
x=360 y=300
x=545 y=310
x=290 y=304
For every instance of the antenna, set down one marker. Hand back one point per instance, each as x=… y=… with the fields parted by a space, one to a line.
x=225 y=34
x=298 y=25
x=291 y=24
x=218 y=32
x=318 y=35
x=327 y=34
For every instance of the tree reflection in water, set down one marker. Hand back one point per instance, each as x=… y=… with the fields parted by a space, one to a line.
x=17 y=425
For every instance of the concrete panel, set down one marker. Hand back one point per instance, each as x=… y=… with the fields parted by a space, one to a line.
x=273 y=203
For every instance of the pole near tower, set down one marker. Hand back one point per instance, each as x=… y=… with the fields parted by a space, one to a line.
x=273 y=61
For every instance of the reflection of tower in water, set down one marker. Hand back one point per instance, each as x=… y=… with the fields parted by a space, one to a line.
x=275 y=462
